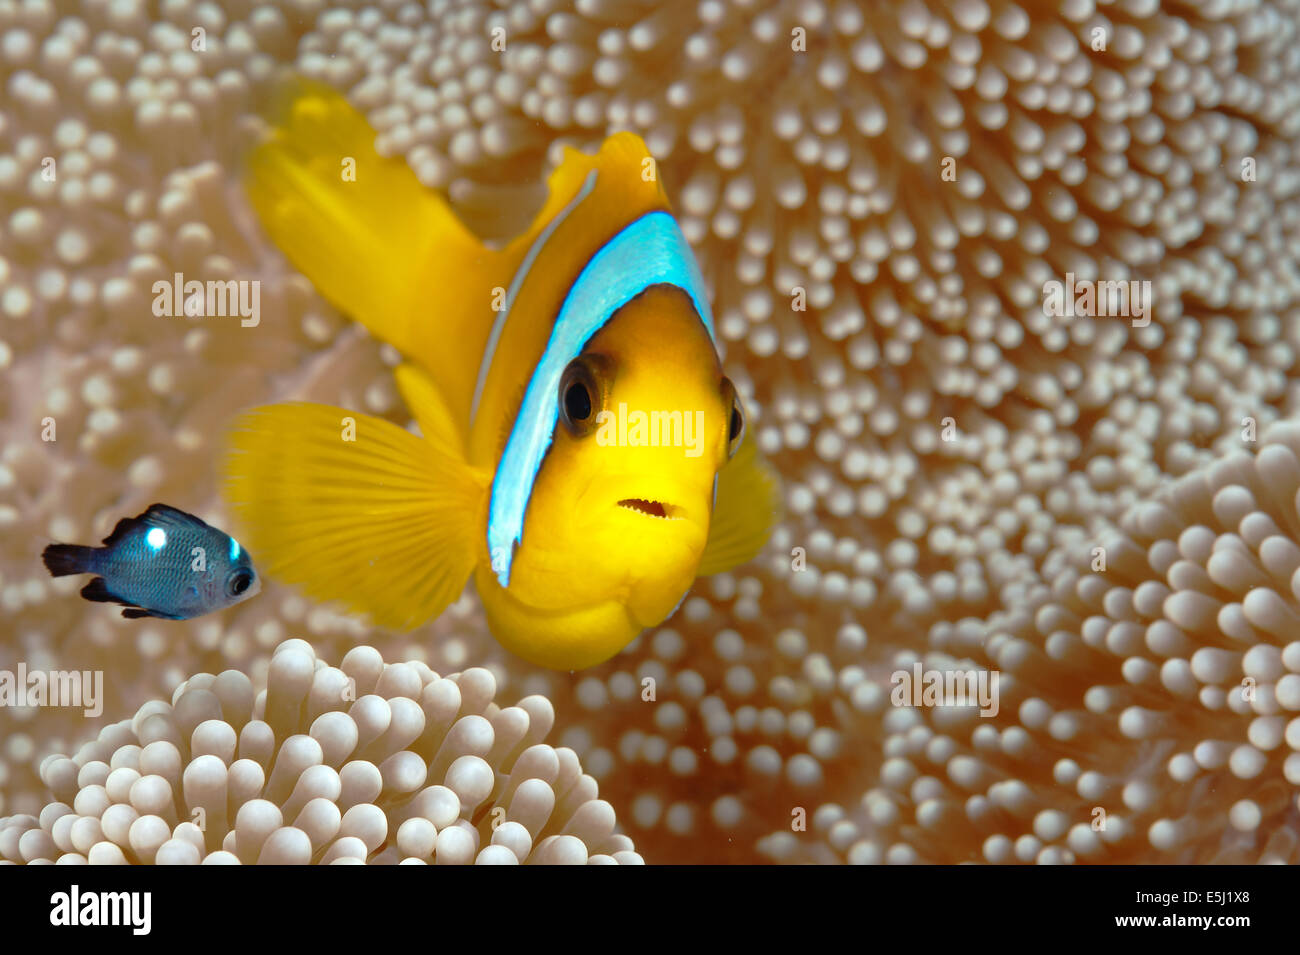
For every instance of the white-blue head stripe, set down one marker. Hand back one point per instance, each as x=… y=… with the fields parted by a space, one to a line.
x=499 y=326
x=650 y=251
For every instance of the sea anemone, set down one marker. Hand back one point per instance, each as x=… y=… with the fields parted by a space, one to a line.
x=878 y=197
x=1150 y=698
x=363 y=762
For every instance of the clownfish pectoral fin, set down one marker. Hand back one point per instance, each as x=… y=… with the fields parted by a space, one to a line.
x=747 y=507
x=376 y=242
x=354 y=508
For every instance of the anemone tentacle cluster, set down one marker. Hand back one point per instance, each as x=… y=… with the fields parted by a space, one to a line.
x=879 y=195
x=364 y=762
x=1150 y=698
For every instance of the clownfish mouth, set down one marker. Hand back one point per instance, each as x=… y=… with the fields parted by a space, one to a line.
x=651 y=508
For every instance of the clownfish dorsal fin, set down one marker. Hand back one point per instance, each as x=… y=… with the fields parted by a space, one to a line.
x=746 y=507
x=377 y=243
x=627 y=187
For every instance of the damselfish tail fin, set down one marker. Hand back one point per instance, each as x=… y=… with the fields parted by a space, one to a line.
x=62 y=560
x=356 y=509
x=374 y=241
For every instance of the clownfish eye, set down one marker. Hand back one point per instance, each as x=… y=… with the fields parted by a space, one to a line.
x=735 y=418
x=240 y=582
x=583 y=389
x=577 y=402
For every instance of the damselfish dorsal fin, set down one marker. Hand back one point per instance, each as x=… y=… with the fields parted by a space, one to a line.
x=120 y=530
x=156 y=515
x=164 y=515
x=747 y=507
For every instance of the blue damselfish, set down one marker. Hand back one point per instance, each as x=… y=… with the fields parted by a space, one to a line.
x=164 y=563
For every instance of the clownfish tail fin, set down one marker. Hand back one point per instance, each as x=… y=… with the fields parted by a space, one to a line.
x=376 y=242
x=354 y=508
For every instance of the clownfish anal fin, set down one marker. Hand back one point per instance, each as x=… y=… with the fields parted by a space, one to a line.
x=356 y=509
x=747 y=507
x=428 y=406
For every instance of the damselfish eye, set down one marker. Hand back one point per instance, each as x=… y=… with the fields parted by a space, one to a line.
x=240 y=582
x=735 y=418
x=583 y=389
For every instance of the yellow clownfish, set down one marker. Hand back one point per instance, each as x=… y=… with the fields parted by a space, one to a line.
x=582 y=453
